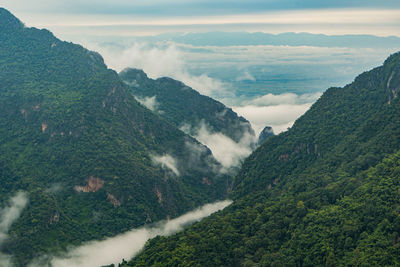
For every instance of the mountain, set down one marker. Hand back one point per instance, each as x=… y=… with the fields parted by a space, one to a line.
x=326 y=192
x=92 y=160
x=185 y=107
x=266 y=133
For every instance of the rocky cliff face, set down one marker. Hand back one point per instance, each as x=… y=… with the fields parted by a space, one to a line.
x=93 y=185
x=266 y=133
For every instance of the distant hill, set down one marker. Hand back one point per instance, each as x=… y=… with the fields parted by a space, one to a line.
x=288 y=38
x=183 y=106
x=93 y=161
x=324 y=193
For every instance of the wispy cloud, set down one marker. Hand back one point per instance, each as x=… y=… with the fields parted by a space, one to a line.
x=8 y=215
x=158 y=60
x=196 y=156
x=11 y=213
x=150 y=103
x=279 y=117
x=127 y=245
x=246 y=76
x=282 y=99
x=224 y=149
x=167 y=162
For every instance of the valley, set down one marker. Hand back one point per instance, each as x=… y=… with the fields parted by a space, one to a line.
x=212 y=147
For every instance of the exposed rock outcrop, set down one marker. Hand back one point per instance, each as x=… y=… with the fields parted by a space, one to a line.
x=113 y=200
x=266 y=133
x=159 y=195
x=93 y=185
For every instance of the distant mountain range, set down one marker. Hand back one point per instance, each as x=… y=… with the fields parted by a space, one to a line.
x=289 y=38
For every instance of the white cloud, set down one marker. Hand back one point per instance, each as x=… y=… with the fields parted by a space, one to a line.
x=149 y=102
x=127 y=245
x=246 y=77
x=277 y=111
x=167 y=162
x=158 y=60
x=11 y=213
x=269 y=56
x=285 y=98
x=195 y=158
x=277 y=116
x=226 y=151
x=8 y=215
x=54 y=188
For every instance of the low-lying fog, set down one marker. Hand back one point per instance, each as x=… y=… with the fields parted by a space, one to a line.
x=126 y=245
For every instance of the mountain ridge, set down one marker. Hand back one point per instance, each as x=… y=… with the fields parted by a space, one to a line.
x=323 y=193
x=287 y=38
x=193 y=107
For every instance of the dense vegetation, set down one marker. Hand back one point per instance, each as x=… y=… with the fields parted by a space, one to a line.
x=73 y=136
x=183 y=106
x=327 y=192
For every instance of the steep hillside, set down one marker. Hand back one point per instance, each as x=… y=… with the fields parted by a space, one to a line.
x=324 y=193
x=185 y=107
x=93 y=161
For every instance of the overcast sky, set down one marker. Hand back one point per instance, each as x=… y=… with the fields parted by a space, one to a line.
x=149 y=17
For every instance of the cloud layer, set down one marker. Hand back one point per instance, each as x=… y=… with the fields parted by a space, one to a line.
x=278 y=111
x=279 y=117
x=226 y=151
x=149 y=102
x=282 y=99
x=127 y=245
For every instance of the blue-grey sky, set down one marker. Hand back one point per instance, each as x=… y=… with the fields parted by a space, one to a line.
x=149 y=17
x=188 y=7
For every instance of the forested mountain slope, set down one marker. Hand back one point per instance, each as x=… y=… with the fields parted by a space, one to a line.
x=93 y=161
x=185 y=107
x=326 y=192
